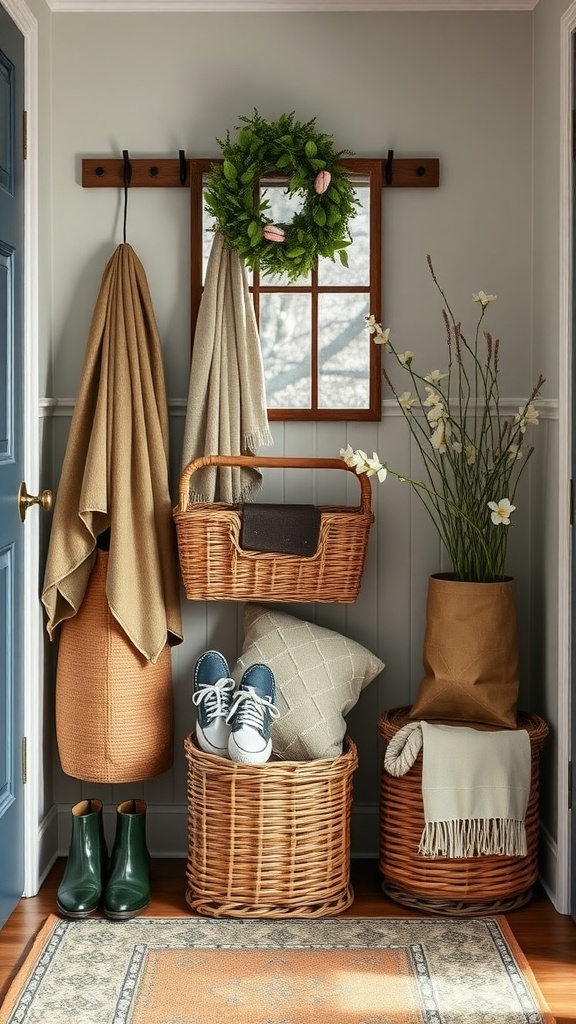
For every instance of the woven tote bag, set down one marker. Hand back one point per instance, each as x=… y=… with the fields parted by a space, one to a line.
x=114 y=708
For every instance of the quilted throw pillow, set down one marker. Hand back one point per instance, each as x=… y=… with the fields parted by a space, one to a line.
x=319 y=676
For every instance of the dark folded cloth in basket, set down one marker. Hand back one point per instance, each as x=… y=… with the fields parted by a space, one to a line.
x=287 y=529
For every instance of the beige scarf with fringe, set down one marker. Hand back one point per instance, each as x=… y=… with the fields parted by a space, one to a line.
x=475 y=787
x=226 y=412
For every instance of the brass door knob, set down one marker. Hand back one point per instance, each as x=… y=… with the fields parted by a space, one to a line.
x=25 y=500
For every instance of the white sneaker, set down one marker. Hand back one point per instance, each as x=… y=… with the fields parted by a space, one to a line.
x=212 y=696
x=250 y=716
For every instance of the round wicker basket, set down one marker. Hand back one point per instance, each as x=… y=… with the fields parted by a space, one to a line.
x=269 y=840
x=443 y=885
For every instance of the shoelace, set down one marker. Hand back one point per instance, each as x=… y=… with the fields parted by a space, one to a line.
x=214 y=698
x=248 y=708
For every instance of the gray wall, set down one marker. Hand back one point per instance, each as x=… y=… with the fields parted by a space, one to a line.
x=454 y=85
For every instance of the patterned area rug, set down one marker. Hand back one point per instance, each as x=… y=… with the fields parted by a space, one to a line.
x=328 y=971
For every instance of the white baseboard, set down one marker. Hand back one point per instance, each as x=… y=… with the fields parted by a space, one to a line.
x=548 y=864
x=167 y=830
x=47 y=845
x=167 y=836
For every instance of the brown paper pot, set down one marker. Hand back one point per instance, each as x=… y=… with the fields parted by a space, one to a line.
x=470 y=652
x=114 y=709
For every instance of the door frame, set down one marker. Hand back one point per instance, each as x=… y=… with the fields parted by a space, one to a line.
x=33 y=658
x=565 y=462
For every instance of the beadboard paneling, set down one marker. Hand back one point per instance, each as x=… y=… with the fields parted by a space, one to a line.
x=388 y=617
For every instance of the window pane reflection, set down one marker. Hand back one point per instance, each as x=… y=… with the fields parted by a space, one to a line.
x=358 y=270
x=285 y=340
x=344 y=355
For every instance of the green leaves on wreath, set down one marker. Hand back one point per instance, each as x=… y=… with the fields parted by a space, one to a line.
x=298 y=152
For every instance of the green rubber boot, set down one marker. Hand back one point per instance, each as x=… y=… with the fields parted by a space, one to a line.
x=80 y=890
x=127 y=891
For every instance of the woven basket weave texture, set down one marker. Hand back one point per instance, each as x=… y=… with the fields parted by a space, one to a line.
x=215 y=568
x=269 y=840
x=479 y=885
x=114 y=709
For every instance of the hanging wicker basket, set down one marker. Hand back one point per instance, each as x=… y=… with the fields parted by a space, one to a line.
x=269 y=840
x=214 y=567
x=443 y=885
x=114 y=709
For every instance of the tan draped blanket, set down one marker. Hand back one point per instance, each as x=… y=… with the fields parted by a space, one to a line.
x=115 y=472
x=226 y=412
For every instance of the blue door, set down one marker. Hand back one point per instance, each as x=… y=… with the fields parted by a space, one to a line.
x=11 y=464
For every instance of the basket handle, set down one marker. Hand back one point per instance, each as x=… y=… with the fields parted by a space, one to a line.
x=272 y=463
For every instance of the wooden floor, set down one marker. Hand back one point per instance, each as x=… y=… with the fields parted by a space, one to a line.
x=547 y=938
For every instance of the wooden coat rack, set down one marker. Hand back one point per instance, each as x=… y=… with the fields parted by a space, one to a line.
x=149 y=172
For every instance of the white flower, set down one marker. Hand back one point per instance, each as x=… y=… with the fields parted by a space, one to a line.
x=456 y=446
x=435 y=377
x=382 y=336
x=360 y=461
x=406 y=400
x=514 y=452
x=531 y=415
x=405 y=358
x=433 y=397
x=501 y=511
x=375 y=468
x=349 y=456
x=526 y=417
x=439 y=436
x=436 y=413
x=484 y=299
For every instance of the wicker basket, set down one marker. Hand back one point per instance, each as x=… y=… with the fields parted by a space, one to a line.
x=114 y=709
x=444 y=885
x=269 y=840
x=215 y=568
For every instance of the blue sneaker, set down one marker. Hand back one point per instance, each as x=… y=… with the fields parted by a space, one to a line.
x=251 y=715
x=212 y=696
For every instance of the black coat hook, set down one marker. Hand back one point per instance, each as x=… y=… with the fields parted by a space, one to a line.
x=388 y=170
x=182 y=158
x=127 y=180
x=127 y=167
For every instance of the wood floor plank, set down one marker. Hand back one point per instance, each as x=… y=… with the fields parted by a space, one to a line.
x=548 y=939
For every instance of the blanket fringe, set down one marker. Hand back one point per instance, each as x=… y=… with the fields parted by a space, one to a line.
x=474 y=837
x=247 y=492
x=257 y=439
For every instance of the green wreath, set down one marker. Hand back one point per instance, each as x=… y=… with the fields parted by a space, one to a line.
x=307 y=159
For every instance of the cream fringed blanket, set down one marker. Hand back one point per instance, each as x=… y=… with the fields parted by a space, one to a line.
x=475 y=787
x=226 y=411
x=115 y=472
